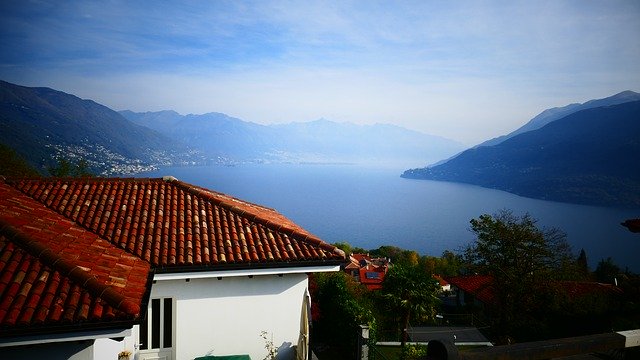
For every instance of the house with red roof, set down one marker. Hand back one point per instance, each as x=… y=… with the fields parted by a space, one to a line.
x=367 y=271
x=479 y=290
x=90 y=268
x=473 y=289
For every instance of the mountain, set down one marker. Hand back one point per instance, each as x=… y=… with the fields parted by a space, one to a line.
x=556 y=113
x=216 y=134
x=42 y=124
x=316 y=141
x=587 y=157
x=374 y=143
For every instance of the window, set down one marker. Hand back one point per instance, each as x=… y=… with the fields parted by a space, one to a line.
x=157 y=331
x=372 y=275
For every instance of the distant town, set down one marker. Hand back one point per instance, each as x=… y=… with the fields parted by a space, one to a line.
x=108 y=163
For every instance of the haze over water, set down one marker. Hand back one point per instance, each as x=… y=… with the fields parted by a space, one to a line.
x=369 y=207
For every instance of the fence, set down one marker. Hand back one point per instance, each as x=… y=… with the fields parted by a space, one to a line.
x=600 y=343
x=616 y=343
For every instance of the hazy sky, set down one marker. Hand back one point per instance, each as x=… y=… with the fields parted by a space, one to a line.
x=468 y=71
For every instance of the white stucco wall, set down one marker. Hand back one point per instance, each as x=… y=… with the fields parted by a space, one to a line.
x=223 y=317
x=107 y=349
x=226 y=316
x=223 y=313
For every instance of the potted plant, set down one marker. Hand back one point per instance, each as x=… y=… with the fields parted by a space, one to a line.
x=124 y=355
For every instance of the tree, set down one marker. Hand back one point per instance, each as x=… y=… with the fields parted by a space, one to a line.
x=348 y=249
x=411 y=293
x=397 y=255
x=448 y=264
x=344 y=246
x=582 y=264
x=607 y=271
x=66 y=168
x=520 y=257
x=341 y=306
x=14 y=165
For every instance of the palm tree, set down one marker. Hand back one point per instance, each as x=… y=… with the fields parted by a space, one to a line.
x=412 y=293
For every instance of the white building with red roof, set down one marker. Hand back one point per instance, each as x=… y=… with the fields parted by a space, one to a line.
x=368 y=271
x=156 y=267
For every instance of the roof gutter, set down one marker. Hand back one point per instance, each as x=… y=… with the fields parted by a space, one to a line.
x=277 y=267
x=78 y=335
x=245 y=272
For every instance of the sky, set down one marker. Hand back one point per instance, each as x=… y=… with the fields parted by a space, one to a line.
x=465 y=70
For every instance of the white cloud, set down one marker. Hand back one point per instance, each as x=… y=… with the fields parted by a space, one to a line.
x=466 y=70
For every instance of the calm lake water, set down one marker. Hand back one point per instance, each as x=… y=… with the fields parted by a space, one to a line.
x=369 y=207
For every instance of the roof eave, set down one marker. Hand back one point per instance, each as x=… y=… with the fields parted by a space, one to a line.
x=228 y=270
x=61 y=333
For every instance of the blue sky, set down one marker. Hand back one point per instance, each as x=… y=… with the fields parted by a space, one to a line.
x=468 y=71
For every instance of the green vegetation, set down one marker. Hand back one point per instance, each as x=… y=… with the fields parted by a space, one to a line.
x=14 y=165
x=341 y=306
x=536 y=291
x=409 y=293
x=67 y=168
x=587 y=157
x=522 y=259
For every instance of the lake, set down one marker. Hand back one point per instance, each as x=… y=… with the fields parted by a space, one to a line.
x=369 y=207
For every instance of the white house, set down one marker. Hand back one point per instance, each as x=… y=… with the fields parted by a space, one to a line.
x=90 y=268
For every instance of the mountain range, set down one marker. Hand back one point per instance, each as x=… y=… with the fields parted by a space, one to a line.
x=557 y=113
x=315 y=141
x=581 y=154
x=43 y=125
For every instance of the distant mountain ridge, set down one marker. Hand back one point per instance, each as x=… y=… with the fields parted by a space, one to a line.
x=588 y=157
x=42 y=124
x=557 y=113
x=315 y=141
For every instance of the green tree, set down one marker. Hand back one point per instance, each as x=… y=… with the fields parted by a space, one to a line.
x=449 y=264
x=520 y=257
x=12 y=164
x=411 y=293
x=344 y=246
x=66 y=168
x=342 y=306
x=397 y=255
x=607 y=271
x=582 y=265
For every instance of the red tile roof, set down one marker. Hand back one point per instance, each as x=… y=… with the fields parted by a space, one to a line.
x=83 y=250
x=171 y=223
x=54 y=273
x=371 y=271
x=481 y=286
x=441 y=281
x=581 y=288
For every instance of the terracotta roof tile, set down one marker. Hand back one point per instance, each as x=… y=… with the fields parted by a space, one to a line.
x=481 y=286
x=171 y=223
x=53 y=272
x=81 y=250
x=36 y=294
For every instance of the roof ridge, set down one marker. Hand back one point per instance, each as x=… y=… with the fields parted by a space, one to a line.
x=288 y=230
x=68 y=269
